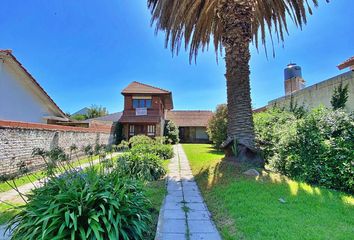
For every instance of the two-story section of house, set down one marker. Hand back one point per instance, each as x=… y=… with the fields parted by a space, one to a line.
x=145 y=110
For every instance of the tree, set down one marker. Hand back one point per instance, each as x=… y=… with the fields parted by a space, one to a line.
x=217 y=126
x=79 y=117
x=96 y=111
x=339 y=97
x=171 y=132
x=232 y=24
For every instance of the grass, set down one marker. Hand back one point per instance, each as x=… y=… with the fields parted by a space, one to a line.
x=6 y=213
x=156 y=192
x=249 y=207
x=31 y=177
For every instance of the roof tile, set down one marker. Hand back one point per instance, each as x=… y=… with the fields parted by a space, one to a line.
x=190 y=118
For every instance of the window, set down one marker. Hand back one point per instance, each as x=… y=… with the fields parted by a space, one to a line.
x=131 y=130
x=151 y=130
x=141 y=103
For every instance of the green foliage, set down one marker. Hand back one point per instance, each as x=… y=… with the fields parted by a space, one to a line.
x=123 y=146
x=140 y=139
x=84 y=205
x=96 y=111
x=79 y=117
x=234 y=147
x=118 y=133
x=217 y=126
x=339 y=97
x=298 y=110
x=317 y=148
x=161 y=150
x=171 y=132
x=144 y=166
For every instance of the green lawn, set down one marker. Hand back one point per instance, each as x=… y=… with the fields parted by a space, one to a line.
x=156 y=192
x=6 y=212
x=249 y=208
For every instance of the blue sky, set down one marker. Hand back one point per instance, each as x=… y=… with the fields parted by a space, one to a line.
x=85 y=52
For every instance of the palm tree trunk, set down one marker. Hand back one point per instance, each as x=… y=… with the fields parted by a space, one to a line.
x=236 y=38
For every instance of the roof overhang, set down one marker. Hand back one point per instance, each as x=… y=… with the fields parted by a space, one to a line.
x=8 y=57
x=348 y=63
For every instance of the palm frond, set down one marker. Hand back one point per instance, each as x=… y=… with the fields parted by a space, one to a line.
x=197 y=22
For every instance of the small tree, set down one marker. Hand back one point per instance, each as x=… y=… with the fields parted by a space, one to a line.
x=79 y=117
x=339 y=97
x=217 y=125
x=171 y=132
x=96 y=111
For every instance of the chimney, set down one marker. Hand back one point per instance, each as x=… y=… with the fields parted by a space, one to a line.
x=293 y=80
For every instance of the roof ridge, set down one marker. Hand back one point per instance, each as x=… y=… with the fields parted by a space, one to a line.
x=6 y=50
x=147 y=85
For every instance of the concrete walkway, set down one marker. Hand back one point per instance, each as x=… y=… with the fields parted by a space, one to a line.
x=184 y=214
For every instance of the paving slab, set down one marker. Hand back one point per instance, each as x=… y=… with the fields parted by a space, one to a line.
x=171 y=236
x=184 y=214
x=174 y=226
x=174 y=214
x=198 y=215
x=201 y=226
x=3 y=236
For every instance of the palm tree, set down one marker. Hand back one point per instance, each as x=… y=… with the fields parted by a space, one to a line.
x=232 y=25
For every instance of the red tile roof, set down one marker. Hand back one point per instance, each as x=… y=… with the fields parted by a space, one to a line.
x=9 y=53
x=190 y=118
x=137 y=87
x=347 y=63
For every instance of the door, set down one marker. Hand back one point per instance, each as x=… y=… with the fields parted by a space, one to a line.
x=140 y=130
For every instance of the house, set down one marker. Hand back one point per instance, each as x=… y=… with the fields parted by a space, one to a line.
x=191 y=124
x=147 y=108
x=310 y=97
x=21 y=96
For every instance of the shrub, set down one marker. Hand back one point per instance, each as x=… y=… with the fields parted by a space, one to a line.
x=161 y=150
x=144 y=166
x=140 y=139
x=317 y=148
x=171 y=132
x=217 y=126
x=123 y=146
x=84 y=205
x=339 y=97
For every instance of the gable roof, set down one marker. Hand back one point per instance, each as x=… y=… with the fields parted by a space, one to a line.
x=347 y=63
x=141 y=88
x=113 y=117
x=191 y=118
x=8 y=54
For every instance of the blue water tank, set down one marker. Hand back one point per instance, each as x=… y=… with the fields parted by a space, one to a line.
x=291 y=71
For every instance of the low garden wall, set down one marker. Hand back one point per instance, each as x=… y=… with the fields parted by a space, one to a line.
x=17 y=140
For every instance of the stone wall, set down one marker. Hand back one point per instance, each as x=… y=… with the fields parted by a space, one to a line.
x=319 y=94
x=17 y=140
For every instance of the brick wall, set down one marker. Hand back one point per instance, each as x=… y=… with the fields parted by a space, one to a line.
x=17 y=140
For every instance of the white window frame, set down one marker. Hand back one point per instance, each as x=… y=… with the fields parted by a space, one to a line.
x=131 y=130
x=151 y=130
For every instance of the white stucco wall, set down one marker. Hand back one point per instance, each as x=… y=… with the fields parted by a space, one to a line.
x=19 y=98
x=319 y=94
